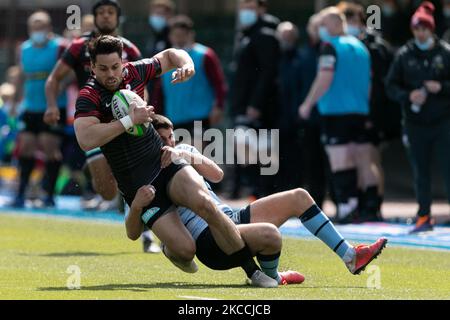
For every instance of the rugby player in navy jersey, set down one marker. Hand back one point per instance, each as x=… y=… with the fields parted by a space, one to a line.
x=255 y=222
x=136 y=160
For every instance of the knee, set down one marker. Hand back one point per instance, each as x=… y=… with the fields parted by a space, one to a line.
x=205 y=207
x=271 y=237
x=302 y=198
x=185 y=250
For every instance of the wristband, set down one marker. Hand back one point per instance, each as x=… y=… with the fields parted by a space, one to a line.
x=127 y=122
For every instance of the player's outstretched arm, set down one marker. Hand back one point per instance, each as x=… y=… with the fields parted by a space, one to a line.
x=133 y=222
x=59 y=72
x=179 y=60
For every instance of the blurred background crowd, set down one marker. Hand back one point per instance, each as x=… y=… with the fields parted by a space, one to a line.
x=262 y=65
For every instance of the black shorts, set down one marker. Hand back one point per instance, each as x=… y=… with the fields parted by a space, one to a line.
x=346 y=129
x=209 y=253
x=34 y=123
x=129 y=186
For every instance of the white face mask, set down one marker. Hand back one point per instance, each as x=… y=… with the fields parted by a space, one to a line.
x=247 y=17
x=353 y=30
x=158 y=23
x=424 y=45
x=38 y=37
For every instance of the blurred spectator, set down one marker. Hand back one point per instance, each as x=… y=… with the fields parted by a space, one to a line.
x=341 y=89
x=254 y=99
x=394 y=22
x=161 y=11
x=87 y=23
x=8 y=121
x=419 y=79
x=291 y=166
x=384 y=114
x=202 y=98
x=38 y=57
x=269 y=20
x=315 y=162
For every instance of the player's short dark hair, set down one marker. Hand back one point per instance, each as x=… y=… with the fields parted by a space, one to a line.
x=182 y=22
x=105 y=45
x=261 y=3
x=100 y=3
x=351 y=9
x=161 y=122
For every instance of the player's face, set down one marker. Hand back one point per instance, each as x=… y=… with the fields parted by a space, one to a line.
x=106 y=19
x=167 y=137
x=108 y=70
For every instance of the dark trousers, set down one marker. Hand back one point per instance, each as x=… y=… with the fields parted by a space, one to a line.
x=421 y=142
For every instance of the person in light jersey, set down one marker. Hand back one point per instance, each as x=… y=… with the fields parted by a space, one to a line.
x=255 y=222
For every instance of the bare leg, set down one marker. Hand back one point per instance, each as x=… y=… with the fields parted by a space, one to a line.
x=103 y=180
x=279 y=207
x=171 y=231
x=261 y=238
x=188 y=189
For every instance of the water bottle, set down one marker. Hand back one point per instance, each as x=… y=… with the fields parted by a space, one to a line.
x=417 y=107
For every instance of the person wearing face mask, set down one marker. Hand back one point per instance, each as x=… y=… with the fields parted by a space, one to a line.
x=38 y=56
x=161 y=11
x=158 y=19
x=205 y=92
x=254 y=98
x=341 y=92
x=419 y=79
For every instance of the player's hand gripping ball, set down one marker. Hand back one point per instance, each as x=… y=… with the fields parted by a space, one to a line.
x=120 y=105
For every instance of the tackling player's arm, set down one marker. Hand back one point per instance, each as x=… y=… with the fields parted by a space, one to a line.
x=133 y=223
x=203 y=165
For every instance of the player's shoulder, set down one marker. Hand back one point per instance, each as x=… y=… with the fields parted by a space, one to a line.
x=127 y=43
x=91 y=89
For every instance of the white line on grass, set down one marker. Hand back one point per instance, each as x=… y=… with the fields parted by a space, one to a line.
x=196 y=298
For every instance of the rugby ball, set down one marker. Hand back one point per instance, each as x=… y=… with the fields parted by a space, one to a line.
x=120 y=104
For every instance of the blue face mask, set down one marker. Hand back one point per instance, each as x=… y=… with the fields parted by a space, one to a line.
x=157 y=22
x=324 y=35
x=353 y=30
x=424 y=45
x=38 y=37
x=247 y=17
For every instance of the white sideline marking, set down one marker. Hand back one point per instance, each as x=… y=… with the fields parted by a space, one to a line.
x=196 y=298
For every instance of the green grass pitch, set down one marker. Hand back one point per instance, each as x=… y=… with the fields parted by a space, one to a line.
x=36 y=254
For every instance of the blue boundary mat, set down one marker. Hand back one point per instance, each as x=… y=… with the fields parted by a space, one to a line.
x=397 y=234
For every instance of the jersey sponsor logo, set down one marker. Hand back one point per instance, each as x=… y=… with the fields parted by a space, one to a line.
x=149 y=214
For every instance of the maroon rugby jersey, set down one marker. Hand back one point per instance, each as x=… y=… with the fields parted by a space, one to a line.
x=125 y=151
x=77 y=56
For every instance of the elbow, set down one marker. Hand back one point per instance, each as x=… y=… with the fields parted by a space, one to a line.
x=133 y=236
x=85 y=146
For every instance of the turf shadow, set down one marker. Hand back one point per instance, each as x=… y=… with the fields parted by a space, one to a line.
x=146 y=286
x=76 y=254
